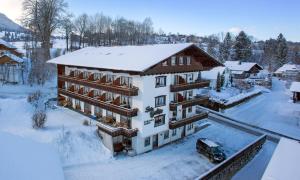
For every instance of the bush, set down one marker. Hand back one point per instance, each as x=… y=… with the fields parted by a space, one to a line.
x=86 y=122
x=34 y=98
x=39 y=119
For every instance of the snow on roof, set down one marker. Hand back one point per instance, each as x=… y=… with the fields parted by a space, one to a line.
x=284 y=163
x=7 y=44
x=25 y=159
x=295 y=87
x=132 y=58
x=13 y=57
x=213 y=73
x=237 y=66
x=288 y=67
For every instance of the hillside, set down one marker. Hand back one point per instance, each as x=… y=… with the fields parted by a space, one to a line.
x=8 y=24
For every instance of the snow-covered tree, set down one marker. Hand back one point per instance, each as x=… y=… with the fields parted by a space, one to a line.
x=269 y=53
x=225 y=48
x=212 y=44
x=281 y=50
x=218 y=83
x=242 y=47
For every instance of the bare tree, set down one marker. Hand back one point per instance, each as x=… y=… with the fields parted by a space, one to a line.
x=81 y=24
x=68 y=28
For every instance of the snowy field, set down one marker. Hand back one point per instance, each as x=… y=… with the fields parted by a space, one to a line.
x=83 y=155
x=274 y=111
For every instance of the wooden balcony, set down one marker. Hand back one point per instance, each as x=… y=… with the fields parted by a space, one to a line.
x=124 y=90
x=173 y=124
x=197 y=100
x=115 y=129
x=186 y=86
x=104 y=105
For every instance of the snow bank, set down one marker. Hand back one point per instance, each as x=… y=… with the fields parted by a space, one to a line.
x=295 y=87
x=241 y=96
x=27 y=160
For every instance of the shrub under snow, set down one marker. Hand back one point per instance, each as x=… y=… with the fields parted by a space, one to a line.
x=39 y=119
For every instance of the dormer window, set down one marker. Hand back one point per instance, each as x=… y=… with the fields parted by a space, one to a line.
x=165 y=63
x=181 y=60
x=173 y=60
x=188 y=60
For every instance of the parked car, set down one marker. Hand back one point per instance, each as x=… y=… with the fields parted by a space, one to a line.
x=210 y=149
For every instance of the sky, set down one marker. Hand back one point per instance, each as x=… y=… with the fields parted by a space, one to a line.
x=262 y=19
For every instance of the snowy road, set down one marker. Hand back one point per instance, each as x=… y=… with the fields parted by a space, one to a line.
x=274 y=111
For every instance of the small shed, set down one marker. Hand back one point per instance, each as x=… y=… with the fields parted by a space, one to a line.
x=295 y=89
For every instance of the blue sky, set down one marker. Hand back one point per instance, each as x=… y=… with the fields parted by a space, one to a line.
x=261 y=18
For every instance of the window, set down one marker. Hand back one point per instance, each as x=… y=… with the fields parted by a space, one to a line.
x=174 y=132
x=165 y=63
x=110 y=78
x=147 y=122
x=188 y=60
x=86 y=74
x=147 y=141
x=166 y=134
x=173 y=60
x=160 y=101
x=126 y=81
x=190 y=109
x=159 y=120
x=97 y=76
x=160 y=81
x=189 y=127
x=181 y=60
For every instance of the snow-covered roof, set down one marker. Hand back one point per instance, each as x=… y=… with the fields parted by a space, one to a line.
x=7 y=44
x=240 y=66
x=131 y=58
x=25 y=159
x=13 y=57
x=284 y=163
x=295 y=87
x=288 y=67
x=210 y=143
x=213 y=73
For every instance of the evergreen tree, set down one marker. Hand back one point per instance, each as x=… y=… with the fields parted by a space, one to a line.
x=225 y=48
x=281 y=51
x=296 y=55
x=242 y=47
x=212 y=42
x=218 y=83
x=269 y=54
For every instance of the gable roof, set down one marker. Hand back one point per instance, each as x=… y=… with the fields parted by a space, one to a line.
x=128 y=58
x=288 y=67
x=243 y=66
x=13 y=57
x=213 y=73
x=295 y=87
x=6 y=44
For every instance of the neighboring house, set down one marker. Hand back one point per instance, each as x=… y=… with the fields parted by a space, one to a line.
x=142 y=96
x=12 y=64
x=243 y=70
x=295 y=89
x=213 y=74
x=284 y=163
x=288 y=71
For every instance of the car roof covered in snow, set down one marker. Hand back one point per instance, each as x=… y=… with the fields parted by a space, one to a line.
x=284 y=163
x=240 y=66
x=209 y=142
x=13 y=57
x=131 y=58
x=295 y=87
x=4 y=43
x=213 y=73
x=288 y=67
x=25 y=159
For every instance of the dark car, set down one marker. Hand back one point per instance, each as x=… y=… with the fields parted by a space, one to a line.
x=210 y=149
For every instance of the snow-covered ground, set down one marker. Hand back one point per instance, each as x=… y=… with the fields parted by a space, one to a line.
x=83 y=155
x=274 y=110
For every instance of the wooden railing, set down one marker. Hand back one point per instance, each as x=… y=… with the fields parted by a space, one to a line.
x=197 y=100
x=128 y=91
x=237 y=161
x=186 y=86
x=178 y=123
x=104 y=105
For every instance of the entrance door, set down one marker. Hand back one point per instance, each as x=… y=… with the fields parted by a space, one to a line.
x=183 y=113
x=183 y=132
x=155 y=141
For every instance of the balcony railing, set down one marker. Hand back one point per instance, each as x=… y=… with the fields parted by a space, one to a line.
x=186 y=86
x=116 y=129
x=104 y=105
x=197 y=100
x=173 y=124
x=124 y=90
